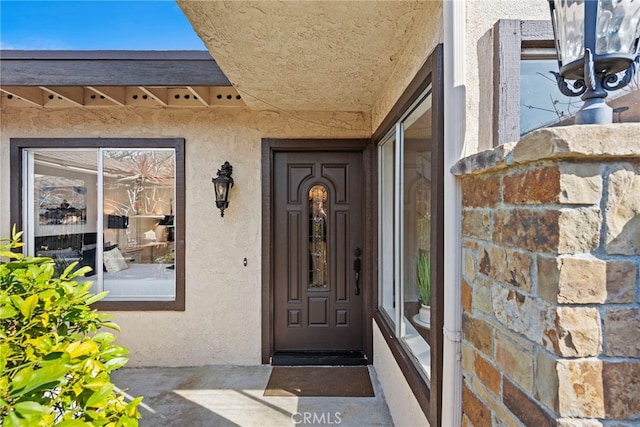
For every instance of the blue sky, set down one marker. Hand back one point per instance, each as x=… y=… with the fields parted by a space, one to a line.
x=102 y=24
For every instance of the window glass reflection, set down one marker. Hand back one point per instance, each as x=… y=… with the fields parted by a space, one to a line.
x=542 y=104
x=416 y=236
x=138 y=200
x=109 y=210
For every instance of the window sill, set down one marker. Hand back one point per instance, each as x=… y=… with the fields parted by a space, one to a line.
x=419 y=347
x=139 y=306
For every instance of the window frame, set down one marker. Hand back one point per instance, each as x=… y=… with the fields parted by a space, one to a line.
x=428 y=395
x=18 y=145
x=387 y=230
x=402 y=189
x=510 y=37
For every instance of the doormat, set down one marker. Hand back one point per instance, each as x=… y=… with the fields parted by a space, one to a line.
x=318 y=358
x=326 y=381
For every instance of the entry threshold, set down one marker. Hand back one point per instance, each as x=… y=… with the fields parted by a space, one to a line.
x=318 y=358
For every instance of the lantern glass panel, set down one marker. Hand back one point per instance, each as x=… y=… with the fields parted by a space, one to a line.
x=569 y=23
x=617 y=28
x=221 y=191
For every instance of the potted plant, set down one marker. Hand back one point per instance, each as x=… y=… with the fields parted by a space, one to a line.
x=424 y=286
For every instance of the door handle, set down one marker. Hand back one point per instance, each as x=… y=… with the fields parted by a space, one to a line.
x=357 y=265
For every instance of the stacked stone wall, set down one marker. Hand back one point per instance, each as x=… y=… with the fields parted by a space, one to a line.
x=551 y=251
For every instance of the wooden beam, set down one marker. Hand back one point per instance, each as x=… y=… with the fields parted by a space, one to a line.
x=115 y=94
x=224 y=96
x=73 y=94
x=160 y=94
x=507 y=48
x=202 y=92
x=537 y=33
x=32 y=95
x=509 y=37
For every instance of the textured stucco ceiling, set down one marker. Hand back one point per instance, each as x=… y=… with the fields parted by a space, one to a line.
x=306 y=55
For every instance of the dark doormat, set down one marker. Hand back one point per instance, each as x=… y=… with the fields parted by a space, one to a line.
x=318 y=358
x=327 y=381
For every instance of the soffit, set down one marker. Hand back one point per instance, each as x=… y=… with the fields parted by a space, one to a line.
x=306 y=55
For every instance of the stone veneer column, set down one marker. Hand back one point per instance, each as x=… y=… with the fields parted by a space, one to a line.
x=551 y=308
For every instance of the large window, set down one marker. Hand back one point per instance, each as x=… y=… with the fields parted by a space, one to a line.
x=405 y=229
x=411 y=171
x=115 y=206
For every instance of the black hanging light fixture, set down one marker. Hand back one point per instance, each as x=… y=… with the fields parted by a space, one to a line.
x=222 y=184
x=597 y=48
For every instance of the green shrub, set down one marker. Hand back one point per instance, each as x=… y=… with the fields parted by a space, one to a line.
x=54 y=363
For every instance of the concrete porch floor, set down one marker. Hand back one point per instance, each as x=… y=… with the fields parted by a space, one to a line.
x=233 y=396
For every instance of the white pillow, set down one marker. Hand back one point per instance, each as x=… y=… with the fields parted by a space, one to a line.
x=114 y=261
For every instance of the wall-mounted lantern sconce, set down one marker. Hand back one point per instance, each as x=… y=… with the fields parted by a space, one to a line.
x=222 y=184
x=597 y=48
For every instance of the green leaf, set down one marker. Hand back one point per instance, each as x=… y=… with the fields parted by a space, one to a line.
x=77 y=349
x=111 y=325
x=132 y=407
x=30 y=408
x=100 y=398
x=15 y=234
x=7 y=312
x=57 y=357
x=83 y=288
x=103 y=337
x=17 y=301
x=21 y=378
x=97 y=297
x=127 y=422
x=42 y=343
x=12 y=420
x=68 y=287
x=113 y=351
x=115 y=363
x=96 y=383
x=10 y=255
x=49 y=376
x=81 y=272
x=73 y=423
x=47 y=294
x=68 y=270
x=28 y=307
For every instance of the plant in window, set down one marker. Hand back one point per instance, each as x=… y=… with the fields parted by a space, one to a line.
x=424 y=285
x=54 y=364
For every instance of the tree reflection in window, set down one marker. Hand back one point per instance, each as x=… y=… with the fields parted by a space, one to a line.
x=318 y=236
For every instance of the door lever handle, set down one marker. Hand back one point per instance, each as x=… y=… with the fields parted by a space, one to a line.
x=357 y=265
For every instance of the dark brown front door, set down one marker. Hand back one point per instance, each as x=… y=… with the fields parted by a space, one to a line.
x=318 y=225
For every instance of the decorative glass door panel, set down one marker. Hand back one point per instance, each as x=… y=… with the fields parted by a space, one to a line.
x=318 y=237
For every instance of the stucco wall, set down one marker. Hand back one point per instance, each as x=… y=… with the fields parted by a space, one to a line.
x=481 y=15
x=403 y=405
x=221 y=324
x=425 y=37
